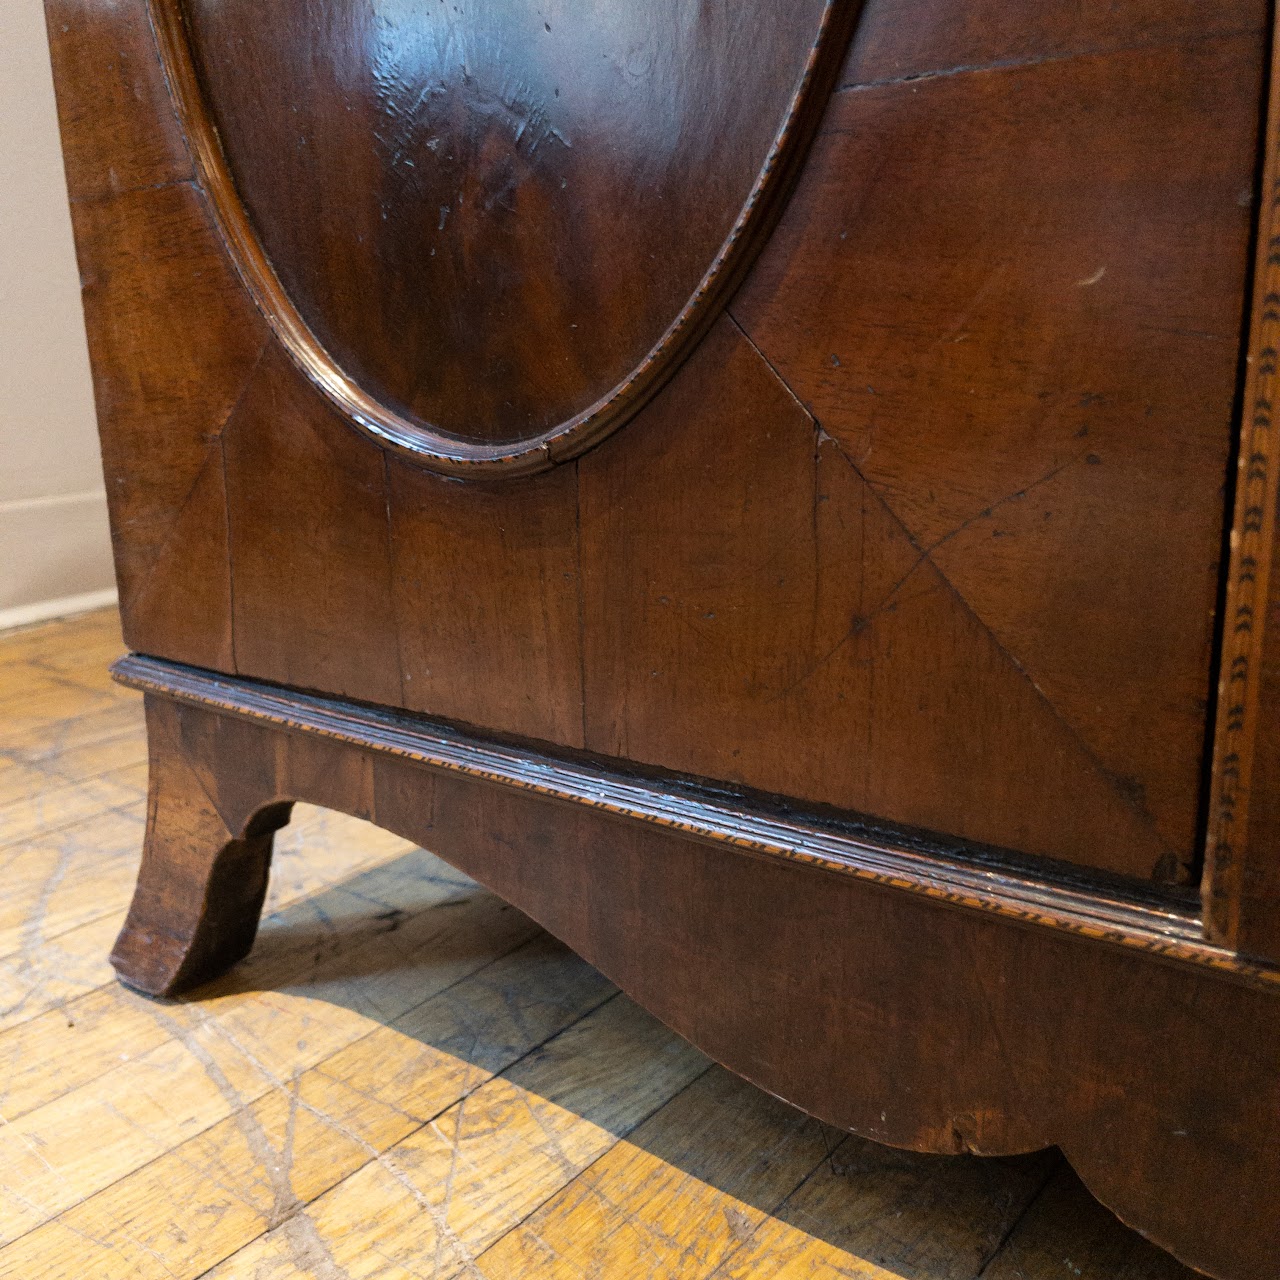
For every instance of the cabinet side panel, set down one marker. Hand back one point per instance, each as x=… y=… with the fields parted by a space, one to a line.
x=172 y=337
x=1003 y=307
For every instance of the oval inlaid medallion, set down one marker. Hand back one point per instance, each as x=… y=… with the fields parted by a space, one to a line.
x=488 y=229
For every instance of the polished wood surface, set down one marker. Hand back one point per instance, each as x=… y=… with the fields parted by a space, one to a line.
x=824 y=641
x=1034 y=475
x=903 y=40
x=397 y=1021
x=751 y=579
x=156 y=264
x=574 y=189
x=1040 y=391
x=872 y=1005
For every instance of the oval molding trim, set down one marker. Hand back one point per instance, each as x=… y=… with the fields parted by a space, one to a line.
x=461 y=452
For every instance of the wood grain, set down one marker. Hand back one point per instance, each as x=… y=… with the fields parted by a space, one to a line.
x=675 y=919
x=867 y=1201
x=310 y=545
x=357 y=926
x=481 y=1166
x=120 y=132
x=1115 y=912
x=1064 y=1229
x=1039 y=381
x=507 y=655
x=900 y=40
x=159 y=294
x=321 y=1126
x=744 y=584
x=765 y=1168
x=987 y=354
x=850 y=708
x=585 y=130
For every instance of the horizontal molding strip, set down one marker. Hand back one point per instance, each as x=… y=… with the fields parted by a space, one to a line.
x=1166 y=930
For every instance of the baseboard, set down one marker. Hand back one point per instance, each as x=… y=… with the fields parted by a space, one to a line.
x=53 y=551
x=24 y=615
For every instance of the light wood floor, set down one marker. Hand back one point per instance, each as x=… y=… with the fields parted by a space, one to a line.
x=407 y=1078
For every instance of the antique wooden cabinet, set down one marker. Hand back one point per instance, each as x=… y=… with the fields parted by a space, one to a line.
x=783 y=493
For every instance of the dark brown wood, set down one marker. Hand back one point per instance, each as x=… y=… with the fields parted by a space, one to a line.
x=744 y=584
x=902 y=39
x=1115 y=912
x=172 y=339
x=859 y=1010
x=850 y=704
x=204 y=867
x=119 y=131
x=456 y=145
x=509 y=654
x=986 y=356
x=310 y=548
x=1038 y=381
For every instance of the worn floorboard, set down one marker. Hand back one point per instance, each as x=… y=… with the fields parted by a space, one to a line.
x=407 y=1078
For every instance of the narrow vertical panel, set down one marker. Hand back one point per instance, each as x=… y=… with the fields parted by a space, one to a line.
x=311 y=561
x=119 y=129
x=486 y=594
x=1242 y=855
x=173 y=340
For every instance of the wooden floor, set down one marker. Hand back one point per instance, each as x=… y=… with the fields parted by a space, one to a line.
x=407 y=1078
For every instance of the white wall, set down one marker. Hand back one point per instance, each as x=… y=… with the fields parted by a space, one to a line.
x=53 y=522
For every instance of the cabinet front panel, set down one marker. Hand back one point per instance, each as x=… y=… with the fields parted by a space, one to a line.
x=927 y=526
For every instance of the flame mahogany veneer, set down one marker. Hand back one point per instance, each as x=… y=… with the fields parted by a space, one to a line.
x=783 y=494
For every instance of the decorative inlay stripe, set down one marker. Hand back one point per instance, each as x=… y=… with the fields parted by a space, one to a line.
x=1253 y=534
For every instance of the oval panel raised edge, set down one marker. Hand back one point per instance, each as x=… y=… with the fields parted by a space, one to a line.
x=417 y=441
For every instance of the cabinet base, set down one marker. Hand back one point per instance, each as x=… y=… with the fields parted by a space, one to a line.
x=931 y=1003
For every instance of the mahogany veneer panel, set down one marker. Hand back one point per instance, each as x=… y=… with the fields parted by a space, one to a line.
x=748 y=482
x=1039 y=380
x=510 y=654
x=310 y=543
x=172 y=339
x=987 y=360
x=723 y=625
